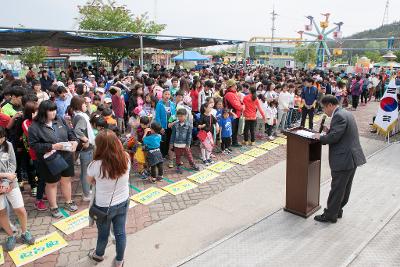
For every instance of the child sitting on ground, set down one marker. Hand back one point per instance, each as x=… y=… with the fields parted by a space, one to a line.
x=181 y=139
x=152 y=141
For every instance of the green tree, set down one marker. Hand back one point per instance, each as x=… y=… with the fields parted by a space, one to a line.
x=111 y=17
x=33 y=55
x=374 y=56
x=305 y=54
x=397 y=53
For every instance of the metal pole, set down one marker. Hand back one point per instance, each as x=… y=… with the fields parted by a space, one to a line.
x=246 y=47
x=141 y=53
x=237 y=56
x=272 y=35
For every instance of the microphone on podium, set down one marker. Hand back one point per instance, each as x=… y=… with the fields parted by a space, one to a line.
x=321 y=127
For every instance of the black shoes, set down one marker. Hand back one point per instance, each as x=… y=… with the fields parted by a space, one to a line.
x=340 y=214
x=322 y=218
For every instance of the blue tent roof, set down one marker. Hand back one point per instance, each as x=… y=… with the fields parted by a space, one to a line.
x=190 y=56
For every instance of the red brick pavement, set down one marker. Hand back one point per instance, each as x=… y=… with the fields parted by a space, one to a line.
x=141 y=216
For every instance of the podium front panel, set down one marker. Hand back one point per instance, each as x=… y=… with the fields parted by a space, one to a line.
x=303 y=172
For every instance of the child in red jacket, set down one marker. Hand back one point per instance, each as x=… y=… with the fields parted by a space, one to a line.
x=251 y=105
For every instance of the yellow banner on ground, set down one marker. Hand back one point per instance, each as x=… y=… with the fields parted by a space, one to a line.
x=220 y=166
x=268 y=146
x=1 y=256
x=149 y=195
x=255 y=152
x=242 y=159
x=43 y=246
x=179 y=187
x=203 y=176
x=280 y=141
x=73 y=223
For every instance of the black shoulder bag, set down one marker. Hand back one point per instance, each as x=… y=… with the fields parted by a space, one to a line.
x=96 y=213
x=55 y=162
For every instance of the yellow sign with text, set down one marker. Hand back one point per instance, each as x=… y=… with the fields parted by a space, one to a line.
x=73 y=223
x=179 y=187
x=242 y=159
x=268 y=146
x=280 y=141
x=203 y=176
x=220 y=166
x=43 y=246
x=1 y=256
x=255 y=152
x=149 y=195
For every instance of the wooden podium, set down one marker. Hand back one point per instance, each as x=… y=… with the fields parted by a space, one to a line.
x=303 y=171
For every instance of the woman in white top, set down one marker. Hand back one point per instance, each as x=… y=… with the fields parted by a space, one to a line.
x=283 y=107
x=271 y=95
x=109 y=171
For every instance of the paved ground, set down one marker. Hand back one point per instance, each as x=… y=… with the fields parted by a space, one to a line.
x=283 y=239
x=142 y=216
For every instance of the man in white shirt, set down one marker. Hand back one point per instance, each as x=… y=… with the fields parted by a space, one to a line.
x=283 y=107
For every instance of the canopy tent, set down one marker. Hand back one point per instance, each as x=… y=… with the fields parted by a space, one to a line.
x=12 y=38
x=190 y=56
x=390 y=64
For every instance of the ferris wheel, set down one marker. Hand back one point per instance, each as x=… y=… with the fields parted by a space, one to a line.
x=322 y=35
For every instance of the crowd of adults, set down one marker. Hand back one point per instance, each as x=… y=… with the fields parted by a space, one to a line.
x=49 y=120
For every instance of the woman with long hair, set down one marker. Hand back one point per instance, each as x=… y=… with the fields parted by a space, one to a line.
x=50 y=134
x=84 y=131
x=109 y=171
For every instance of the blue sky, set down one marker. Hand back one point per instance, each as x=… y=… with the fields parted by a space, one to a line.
x=228 y=19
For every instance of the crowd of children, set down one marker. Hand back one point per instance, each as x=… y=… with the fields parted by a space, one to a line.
x=162 y=114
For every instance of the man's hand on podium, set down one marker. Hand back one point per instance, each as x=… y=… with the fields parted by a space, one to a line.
x=316 y=136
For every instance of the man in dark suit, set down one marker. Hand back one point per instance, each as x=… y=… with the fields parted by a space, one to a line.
x=345 y=155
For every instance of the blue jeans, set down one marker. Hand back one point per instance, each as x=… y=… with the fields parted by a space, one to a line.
x=289 y=118
x=116 y=216
x=86 y=157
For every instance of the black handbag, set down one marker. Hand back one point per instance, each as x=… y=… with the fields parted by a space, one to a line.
x=55 y=162
x=96 y=213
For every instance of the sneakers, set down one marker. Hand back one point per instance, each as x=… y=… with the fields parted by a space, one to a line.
x=225 y=152
x=210 y=161
x=205 y=162
x=92 y=255
x=229 y=150
x=27 y=238
x=87 y=198
x=271 y=138
x=170 y=164
x=34 y=191
x=252 y=143
x=11 y=241
x=195 y=167
x=179 y=170
x=40 y=205
x=55 y=213
x=237 y=145
x=72 y=207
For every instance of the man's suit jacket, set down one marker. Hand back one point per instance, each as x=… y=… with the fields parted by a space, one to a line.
x=345 y=152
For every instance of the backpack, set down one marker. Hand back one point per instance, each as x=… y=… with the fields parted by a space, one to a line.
x=356 y=87
x=365 y=85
